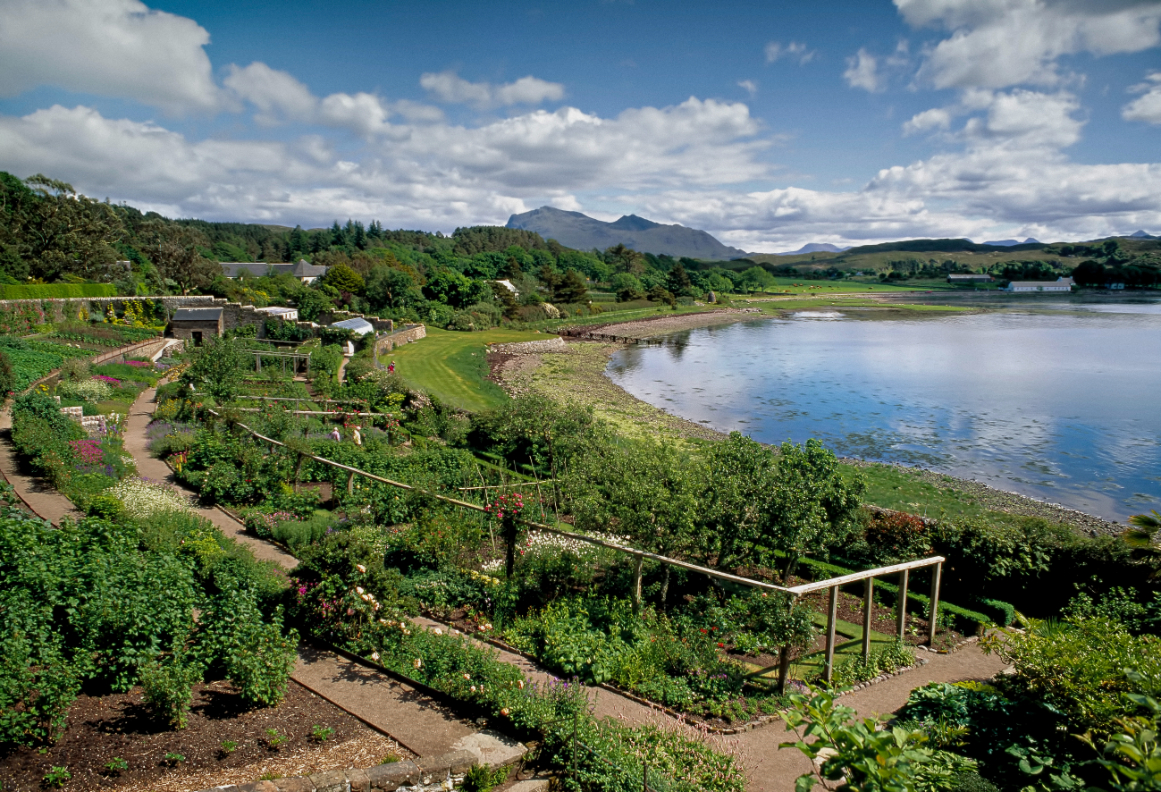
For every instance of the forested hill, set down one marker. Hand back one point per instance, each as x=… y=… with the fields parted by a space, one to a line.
x=582 y=232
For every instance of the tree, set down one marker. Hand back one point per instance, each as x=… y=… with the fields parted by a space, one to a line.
x=625 y=259
x=450 y=287
x=176 y=252
x=218 y=368
x=627 y=287
x=310 y=303
x=757 y=279
x=570 y=289
x=645 y=492
x=345 y=279
x=390 y=287
x=754 y=502
x=57 y=231
x=812 y=506
x=678 y=282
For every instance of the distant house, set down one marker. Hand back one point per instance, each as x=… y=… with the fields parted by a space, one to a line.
x=301 y=269
x=196 y=324
x=969 y=278
x=281 y=312
x=1040 y=287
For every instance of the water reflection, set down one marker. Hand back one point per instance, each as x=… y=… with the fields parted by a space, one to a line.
x=1056 y=402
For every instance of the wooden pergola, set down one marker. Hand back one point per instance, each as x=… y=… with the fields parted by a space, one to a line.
x=295 y=357
x=831 y=584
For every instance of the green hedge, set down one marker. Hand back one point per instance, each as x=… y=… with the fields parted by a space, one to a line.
x=45 y=291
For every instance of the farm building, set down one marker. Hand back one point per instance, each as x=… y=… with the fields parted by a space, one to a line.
x=195 y=324
x=303 y=270
x=969 y=278
x=1060 y=285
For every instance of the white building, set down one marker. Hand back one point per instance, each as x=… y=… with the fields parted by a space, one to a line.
x=281 y=312
x=1060 y=285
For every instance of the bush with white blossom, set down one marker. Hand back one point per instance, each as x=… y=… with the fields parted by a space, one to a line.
x=143 y=498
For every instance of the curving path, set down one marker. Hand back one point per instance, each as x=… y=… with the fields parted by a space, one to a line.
x=427 y=727
x=37 y=494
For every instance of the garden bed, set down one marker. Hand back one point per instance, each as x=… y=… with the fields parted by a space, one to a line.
x=103 y=728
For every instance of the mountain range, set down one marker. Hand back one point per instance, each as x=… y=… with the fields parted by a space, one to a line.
x=581 y=232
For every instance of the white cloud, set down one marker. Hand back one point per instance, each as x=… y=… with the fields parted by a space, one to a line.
x=999 y=43
x=795 y=50
x=749 y=86
x=863 y=72
x=431 y=176
x=276 y=94
x=1148 y=106
x=450 y=87
x=928 y=120
x=117 y=48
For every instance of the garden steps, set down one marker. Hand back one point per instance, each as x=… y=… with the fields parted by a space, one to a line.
x=44 y=501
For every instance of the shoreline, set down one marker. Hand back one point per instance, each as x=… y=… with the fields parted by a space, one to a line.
x=577 y=375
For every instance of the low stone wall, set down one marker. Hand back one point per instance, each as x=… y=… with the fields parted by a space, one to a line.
x=386 y=343
x=555 y=344
x=434 y=774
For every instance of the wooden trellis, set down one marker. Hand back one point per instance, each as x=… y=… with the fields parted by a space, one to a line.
x=831 y=584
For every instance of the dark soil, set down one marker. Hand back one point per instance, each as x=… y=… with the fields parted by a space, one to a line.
x=101 y=728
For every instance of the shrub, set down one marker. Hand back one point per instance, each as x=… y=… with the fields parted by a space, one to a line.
x=75 y=370
x=168 y=687
x=7 y=376
x=895 y=537
x=90 y=390
x=883 y=661
x=254 y=655
x=143 y=499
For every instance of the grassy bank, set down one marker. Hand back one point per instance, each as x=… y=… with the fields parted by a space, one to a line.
x=452 y=366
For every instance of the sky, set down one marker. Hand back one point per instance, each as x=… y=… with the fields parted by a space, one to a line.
x=768 y=124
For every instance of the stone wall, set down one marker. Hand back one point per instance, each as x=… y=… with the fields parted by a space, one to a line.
x=434 y=774
x=407 y=335
x=555 y=344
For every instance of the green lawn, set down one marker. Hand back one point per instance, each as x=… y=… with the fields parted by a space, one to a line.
x=452 y=365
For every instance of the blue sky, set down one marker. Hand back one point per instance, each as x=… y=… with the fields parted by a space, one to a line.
x=768 y=124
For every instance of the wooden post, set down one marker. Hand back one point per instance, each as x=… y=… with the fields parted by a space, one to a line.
x=901 y=604
x=831 y=617
x=868 y=604
x=351 y=484
x=936 y=574
x=257 y=363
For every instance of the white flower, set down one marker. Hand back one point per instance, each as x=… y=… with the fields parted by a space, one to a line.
x=418 y=663
x=359 y=590
x=467 y=676
x=361 y=568
x=437 y=631
x=384 y=621
x=375 y=656
x=143 y=499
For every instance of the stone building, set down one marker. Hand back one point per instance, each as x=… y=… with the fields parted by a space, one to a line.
x=195 y=324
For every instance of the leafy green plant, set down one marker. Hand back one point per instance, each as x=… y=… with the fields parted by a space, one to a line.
x=274 y=740
x=168 y=687
x=116 y=765
x=57 y=776
x=481 y=778
x=887 y=660
x=865 y=754
x=173 y=759
x=228 y=747
x=321 y=734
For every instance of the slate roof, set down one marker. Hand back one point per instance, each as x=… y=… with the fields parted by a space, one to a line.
x=300 y=269
x=197 y=315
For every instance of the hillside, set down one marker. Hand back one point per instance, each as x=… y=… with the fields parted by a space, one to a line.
x=579 y=231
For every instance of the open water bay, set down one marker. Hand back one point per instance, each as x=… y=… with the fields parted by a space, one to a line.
x=1056 y=400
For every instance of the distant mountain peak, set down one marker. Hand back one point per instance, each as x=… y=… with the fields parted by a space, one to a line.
x=581 y=232
x=1012 y=242
x=815 y=247
x=1141 y=235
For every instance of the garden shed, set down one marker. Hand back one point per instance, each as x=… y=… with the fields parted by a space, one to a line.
x=360 y=327
x=195 y=324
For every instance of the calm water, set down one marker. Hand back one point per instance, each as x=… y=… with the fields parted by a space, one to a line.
x=1059 y=402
